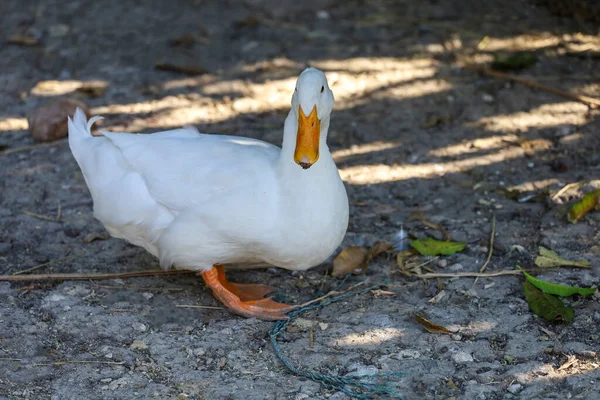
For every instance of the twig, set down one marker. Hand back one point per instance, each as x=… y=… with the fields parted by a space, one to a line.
x=24 y=271
x=10 y=359
x=567 y=187
x=39 y=216
x=329 y=294
x=84 y=277
x=204 y=307
x=466 y=274
x=31 y=147
x=80 y=362
x=129 y=287
x=489 y=257
x=589 y=101
x=492 y=235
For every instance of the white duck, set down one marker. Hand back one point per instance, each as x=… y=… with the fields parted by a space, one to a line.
x=198 y=201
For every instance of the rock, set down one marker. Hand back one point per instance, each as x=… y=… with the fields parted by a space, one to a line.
x=462 y=357
x=49 y=122
x=515 y=388
x=138 y=345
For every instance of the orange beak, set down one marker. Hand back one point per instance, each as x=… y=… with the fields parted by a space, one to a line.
x=307 y=138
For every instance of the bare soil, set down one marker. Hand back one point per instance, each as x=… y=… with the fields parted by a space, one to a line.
x=415 y=136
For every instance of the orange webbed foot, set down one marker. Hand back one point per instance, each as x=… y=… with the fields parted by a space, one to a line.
x=244 y=299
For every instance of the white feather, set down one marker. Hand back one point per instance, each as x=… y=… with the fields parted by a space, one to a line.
x=195 y=200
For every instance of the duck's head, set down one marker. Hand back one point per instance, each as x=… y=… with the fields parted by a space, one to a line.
x=312 y=103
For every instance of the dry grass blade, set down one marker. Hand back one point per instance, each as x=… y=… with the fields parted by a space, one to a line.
x=467 y=274
x=36 y=267
x=32 y=147
x=85 y=277
x=80 y=362
x=589 y=101
x=203 y=307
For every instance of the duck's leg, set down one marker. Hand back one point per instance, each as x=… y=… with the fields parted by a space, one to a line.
x=244 y=299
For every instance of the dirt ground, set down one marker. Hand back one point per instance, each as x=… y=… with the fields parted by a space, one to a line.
x=413 y=133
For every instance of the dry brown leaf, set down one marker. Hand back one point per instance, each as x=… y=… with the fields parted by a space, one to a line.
x=92 y=89
x=27 y=40
x=90 y=237
x=350 y=260
x=378 y=249
x=49 y=122
x=431 y=327
x=182 y=69
x=356 y=259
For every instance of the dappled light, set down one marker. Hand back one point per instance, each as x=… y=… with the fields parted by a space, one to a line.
x=465 y=136
x=371 y=337
x=544 y=116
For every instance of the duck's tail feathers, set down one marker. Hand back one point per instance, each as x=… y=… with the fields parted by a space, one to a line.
x=79 y=126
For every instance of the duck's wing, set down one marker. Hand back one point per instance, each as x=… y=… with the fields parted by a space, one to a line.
x=184 y=168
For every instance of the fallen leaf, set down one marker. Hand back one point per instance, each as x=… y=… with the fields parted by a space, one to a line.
x=555 y=288
x=436 y=120
x=185 y=40
x=356 y=259
x=350 y=260
x=49 y=122
x=431 y=327
x=26 y=40
x=380 y=292
x=90 y=237
x=92 y=89
x=550 y=259
x=250 y=21
x=437 y=297
x=545 y=305
x=584 y=206
x=513 y=61
x=571 y=359
x=378 y=249
x=182 y=69
x=432 y=247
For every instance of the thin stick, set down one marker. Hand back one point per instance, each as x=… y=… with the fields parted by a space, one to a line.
x=466 y=274
x=31 y=147
x=589 y=101
x=39 y=216
x=80 y=362
x=493 y=234
x=129 y=287
x=204 y=307
x=84 y=277
x=9 y=359
x=36 y=267
x=332 y=293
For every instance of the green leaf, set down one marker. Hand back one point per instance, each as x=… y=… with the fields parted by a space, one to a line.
x=584 y=206
x=554 y=288
x=513 y=62
x=432 y=247
x=545 y=305
x=550 y=259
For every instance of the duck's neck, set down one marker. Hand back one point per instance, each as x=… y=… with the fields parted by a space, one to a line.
x=288 y=167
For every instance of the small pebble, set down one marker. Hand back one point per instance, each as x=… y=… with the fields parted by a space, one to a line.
x=462 y=357
x=515 y=388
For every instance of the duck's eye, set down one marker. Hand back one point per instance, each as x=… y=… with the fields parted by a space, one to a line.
x=322 y=88
x=296 y=89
